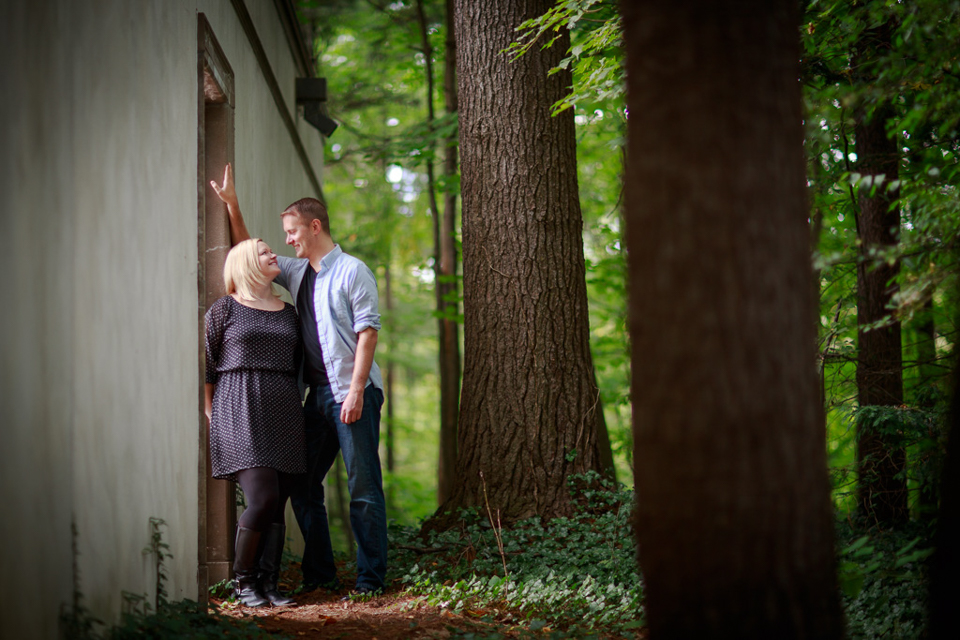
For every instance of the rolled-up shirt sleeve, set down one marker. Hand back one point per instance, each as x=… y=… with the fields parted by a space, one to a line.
x=364 y=300
x=287 y=265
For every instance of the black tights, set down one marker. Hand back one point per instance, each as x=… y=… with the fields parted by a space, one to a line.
x=266 y=491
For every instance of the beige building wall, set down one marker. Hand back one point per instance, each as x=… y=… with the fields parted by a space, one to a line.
x=98 y=197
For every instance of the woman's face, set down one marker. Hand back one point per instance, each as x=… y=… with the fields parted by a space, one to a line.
x=268 y=260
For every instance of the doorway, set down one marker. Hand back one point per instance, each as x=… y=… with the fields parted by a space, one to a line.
x=217 y=507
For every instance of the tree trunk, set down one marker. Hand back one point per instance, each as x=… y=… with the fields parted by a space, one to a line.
x=927 y=354
x=529 y=403
x=945 y=564
x=449 y=347
x=926 y=398
x=733 y=516
x=447 y=288
x=389 y=373
x=343 y=509
x=880 y=457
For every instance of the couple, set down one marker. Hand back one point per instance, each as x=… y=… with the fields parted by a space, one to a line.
x=257 y=426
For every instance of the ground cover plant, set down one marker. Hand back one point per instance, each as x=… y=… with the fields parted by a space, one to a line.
x=569 y=577
x=159 y=618
x=578 y=577
x=575 y=573
x=883 y=579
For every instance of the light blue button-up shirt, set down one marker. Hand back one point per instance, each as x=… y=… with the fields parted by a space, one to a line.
x=346 y=302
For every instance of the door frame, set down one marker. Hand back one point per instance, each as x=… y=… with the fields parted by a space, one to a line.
x=217 y=509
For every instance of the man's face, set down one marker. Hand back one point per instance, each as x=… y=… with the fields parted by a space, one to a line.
x=298 y=234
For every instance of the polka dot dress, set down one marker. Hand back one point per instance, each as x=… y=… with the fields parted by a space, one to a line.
x=253 y=356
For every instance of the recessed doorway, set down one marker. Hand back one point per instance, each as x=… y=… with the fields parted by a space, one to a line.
x=217 y=515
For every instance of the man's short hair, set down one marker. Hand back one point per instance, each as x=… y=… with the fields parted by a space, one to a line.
x=308 y=209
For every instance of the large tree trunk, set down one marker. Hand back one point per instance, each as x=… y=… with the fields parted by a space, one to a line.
x=390 y=372
x=445 y=261
x=733 y=515
x=927 y=355
x=926 y=398
x=447 y=287
x=945 y=564
x=529 y=403
x=880 y=457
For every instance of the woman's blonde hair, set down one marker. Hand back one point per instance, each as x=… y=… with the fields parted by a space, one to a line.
x=241 y=271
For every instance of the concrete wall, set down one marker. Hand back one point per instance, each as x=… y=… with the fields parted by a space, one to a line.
x=98 y=214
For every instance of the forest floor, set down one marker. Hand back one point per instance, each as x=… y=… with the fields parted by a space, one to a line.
x=395 y=614
x=322 y=614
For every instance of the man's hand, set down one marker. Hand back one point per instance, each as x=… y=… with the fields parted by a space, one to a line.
x=352 y=407
x=226 y=192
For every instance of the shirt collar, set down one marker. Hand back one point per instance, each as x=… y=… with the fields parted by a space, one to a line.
x=327 y=261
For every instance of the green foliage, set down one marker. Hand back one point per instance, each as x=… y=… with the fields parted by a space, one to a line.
x=902 y=424
x=160 y=551
x=594 y=56
x=169 y=620
x=77 y=621
x=184 y=619
x=912 y=67
x=883 y=580
x=568 y=571
x=222 y=589
x=607 y=295
x=918 y=74
x=578 y=576
x=920 y=431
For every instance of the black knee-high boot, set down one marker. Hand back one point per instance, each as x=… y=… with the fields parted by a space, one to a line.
x=273 y=541
x=245 y=566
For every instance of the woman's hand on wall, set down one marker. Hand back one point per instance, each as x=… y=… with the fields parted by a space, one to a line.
x=226 y=192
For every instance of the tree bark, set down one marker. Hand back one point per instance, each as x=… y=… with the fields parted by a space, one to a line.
x=444 y=266
x=880 y=457
x=390 y=372
x=733 y=516
x=925 y=396
x=945 y=564
x=927 y=354
x=529 y=403
x=447 y=288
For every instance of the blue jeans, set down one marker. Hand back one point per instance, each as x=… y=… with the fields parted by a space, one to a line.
x=359 y=442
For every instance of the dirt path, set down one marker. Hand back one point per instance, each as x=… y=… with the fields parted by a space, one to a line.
x=323 y=615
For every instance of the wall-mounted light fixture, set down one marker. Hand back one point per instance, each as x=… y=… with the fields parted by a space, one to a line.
x=312 y=94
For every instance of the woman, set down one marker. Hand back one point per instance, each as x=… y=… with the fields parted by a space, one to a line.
x=254 y=409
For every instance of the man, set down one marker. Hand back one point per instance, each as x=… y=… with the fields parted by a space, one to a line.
x=336 y=299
